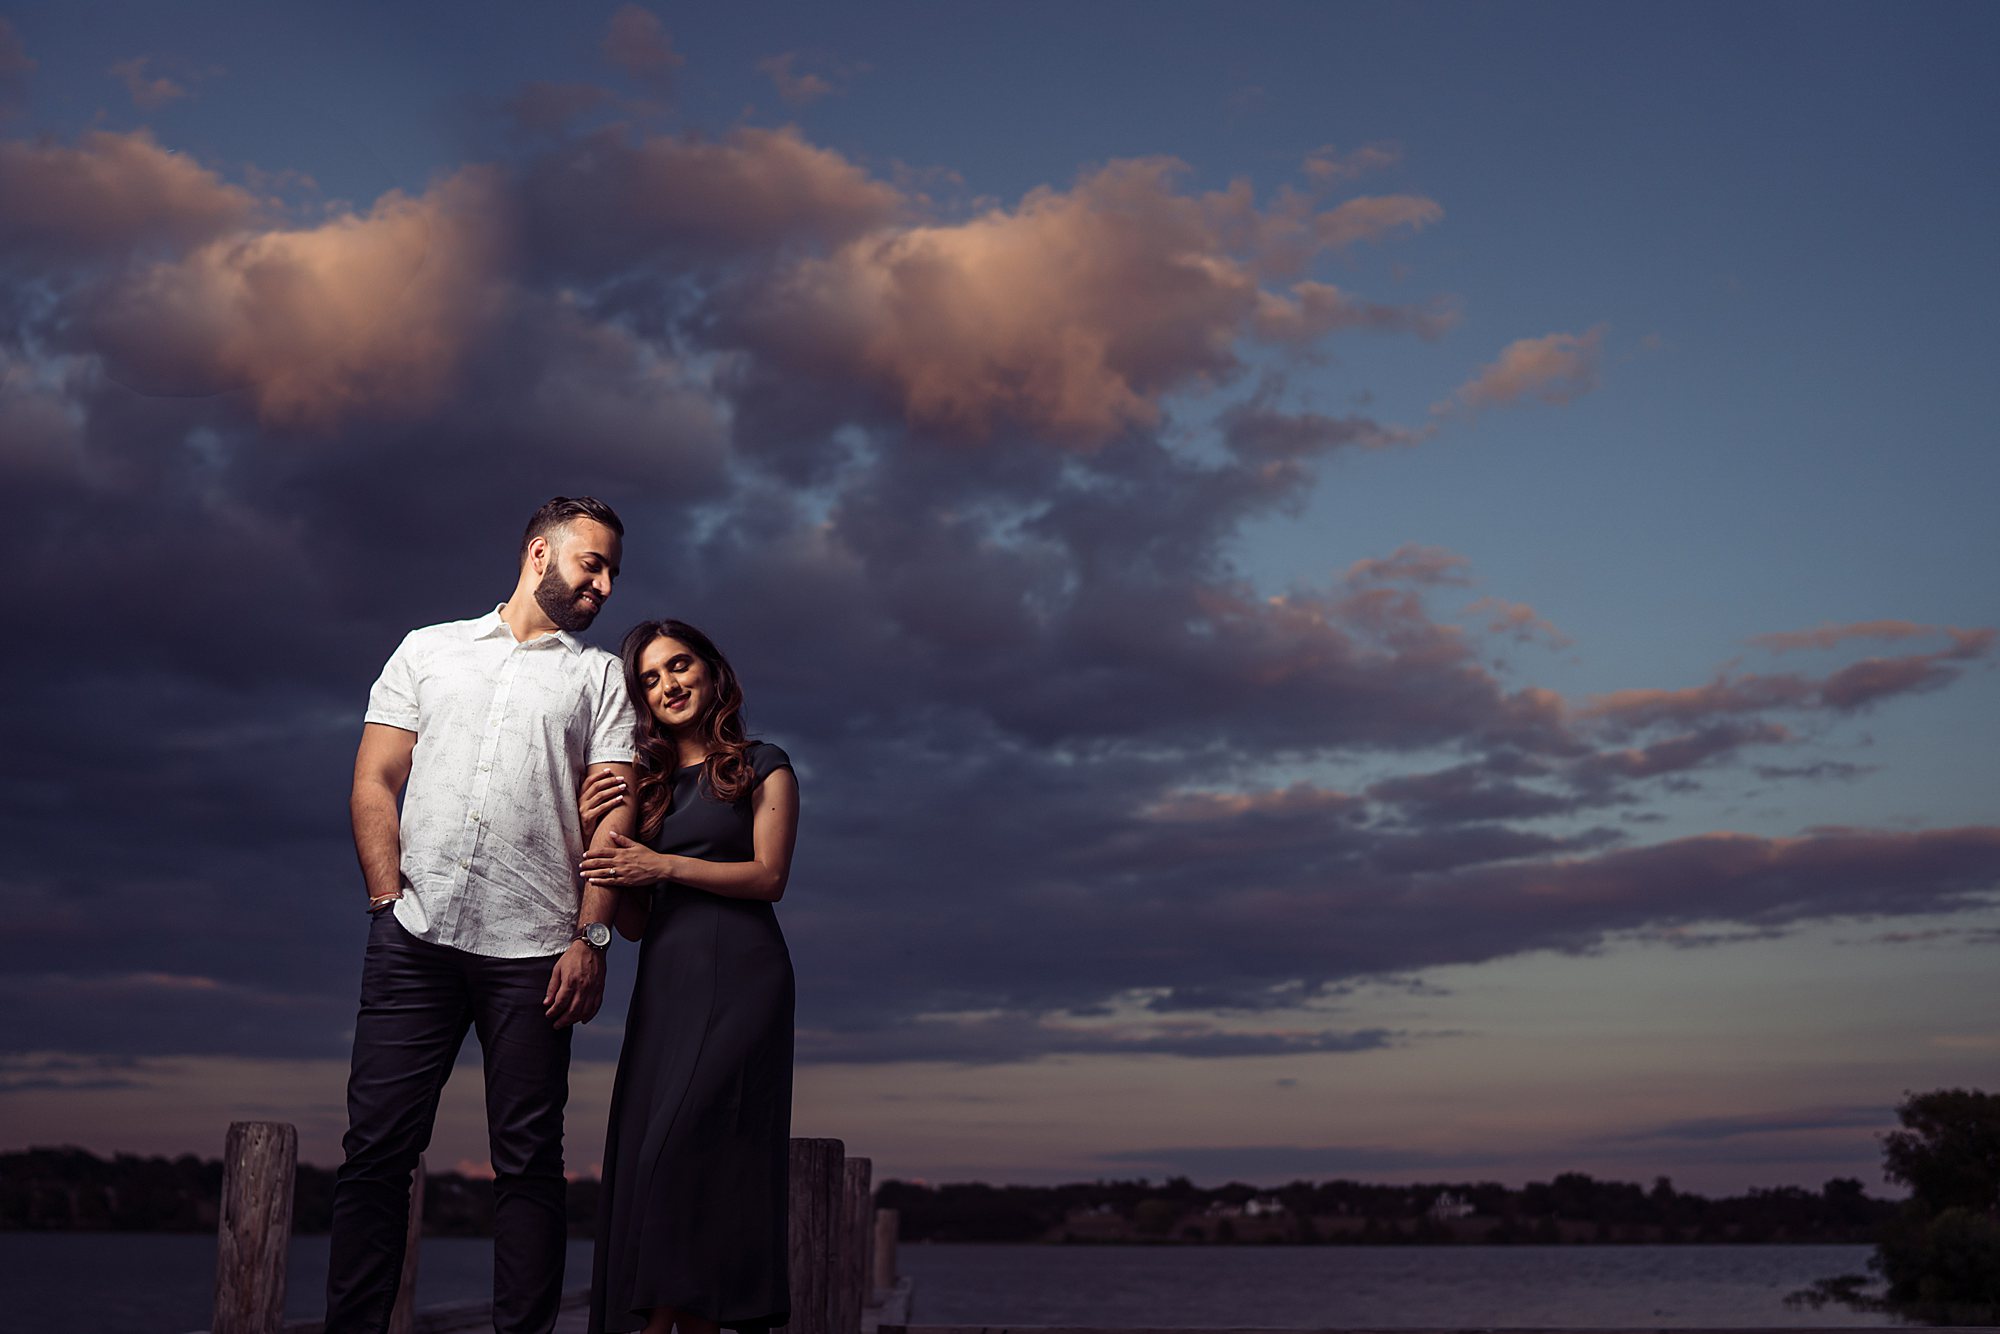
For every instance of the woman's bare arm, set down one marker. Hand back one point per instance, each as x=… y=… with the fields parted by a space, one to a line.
x=773 y=831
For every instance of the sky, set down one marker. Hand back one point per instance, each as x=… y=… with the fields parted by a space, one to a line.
x=1396 y=591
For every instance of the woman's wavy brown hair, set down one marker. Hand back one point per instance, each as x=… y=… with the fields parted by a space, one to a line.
x=727 y=776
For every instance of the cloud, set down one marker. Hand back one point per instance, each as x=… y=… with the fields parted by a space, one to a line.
x=795 y=86
x=147 y=1014
x=113 y=195
x=1518 y=621
x=1313 y=309
x=1328 y=166
x=1070 y=316
x=636 y=42
x=1827 y=636
x=1850 y=689
x=363 y=314
x=1556 y=369
x=1682 y=751
x=978 y=1039
x=1256 y=430
x=1374 y=218
x=1411 y=563
x=606 y=201
x=962 y=495
x=1465 y=794
x=1838 y=770
x=1709 y=1128
x=149 y=91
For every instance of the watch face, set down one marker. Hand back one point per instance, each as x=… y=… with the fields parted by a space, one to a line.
x=597 y=935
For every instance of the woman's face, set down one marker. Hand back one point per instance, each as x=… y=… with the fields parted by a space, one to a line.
x=676 y=683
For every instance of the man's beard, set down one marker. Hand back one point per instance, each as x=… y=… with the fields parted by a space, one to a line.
x=562 y=604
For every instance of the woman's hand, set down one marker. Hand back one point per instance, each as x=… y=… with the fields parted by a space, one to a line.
x=624 y=864
x=601 y=795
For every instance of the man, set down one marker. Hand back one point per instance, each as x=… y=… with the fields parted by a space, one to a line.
x=478 y=922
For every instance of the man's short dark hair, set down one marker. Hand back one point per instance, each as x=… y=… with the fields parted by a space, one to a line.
x=557 y=513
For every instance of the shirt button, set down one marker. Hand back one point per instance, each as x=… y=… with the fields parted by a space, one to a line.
x=465 y=866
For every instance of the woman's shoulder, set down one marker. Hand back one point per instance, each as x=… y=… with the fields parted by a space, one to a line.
x=766 y=759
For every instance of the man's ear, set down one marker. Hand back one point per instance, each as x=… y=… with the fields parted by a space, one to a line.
x=538 y=555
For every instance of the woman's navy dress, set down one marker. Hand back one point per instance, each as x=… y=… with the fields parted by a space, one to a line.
x=695 y=1162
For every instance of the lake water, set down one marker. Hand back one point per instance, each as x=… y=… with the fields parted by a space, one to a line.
x=125 y=1283
x=1377 y=1287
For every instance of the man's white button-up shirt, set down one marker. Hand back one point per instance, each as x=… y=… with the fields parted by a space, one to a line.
x=505 y=730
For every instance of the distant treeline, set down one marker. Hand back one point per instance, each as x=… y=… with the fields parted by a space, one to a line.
x=73 y=1190
x=1572 y=1208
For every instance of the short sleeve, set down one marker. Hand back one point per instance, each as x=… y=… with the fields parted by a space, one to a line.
x=392 y=700
x=614 y=724
x=766 y=759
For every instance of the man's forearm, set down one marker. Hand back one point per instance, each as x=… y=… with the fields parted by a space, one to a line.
x=378 y=839
x=600 y=902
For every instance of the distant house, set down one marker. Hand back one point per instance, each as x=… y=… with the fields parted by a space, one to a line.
x=1449 y=1206
x=1264 y=1208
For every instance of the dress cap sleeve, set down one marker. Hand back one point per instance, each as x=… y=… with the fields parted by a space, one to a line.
x=766 y=759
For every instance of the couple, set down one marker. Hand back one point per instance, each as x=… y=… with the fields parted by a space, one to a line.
x=547 y=793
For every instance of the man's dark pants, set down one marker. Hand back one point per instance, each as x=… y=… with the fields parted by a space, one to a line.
x=417 y=1000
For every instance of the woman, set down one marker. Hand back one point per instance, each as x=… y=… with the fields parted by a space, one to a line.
x=691 y=1231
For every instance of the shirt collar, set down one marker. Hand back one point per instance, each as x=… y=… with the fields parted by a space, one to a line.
x=490 y=625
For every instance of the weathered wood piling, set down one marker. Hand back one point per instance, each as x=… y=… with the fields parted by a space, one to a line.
x=259 y=1159
x=841 y=1251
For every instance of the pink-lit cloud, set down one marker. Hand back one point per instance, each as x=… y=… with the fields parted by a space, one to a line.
x=109 y=196
x=1412 y=563
x=1518 y=621
x=1846 y=690
x=1827 y=636
x=362 y=314
x=796 y=87
x=1327 y=165
x=1071 y=315
x=1310 y=310
x=148 y=90
x=1556 y=368
x=1374 y=218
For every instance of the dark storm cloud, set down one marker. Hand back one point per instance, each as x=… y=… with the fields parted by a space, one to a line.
x=925 y=479
x=1008 y=1037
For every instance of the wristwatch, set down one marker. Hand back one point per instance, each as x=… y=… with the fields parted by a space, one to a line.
x=594 y=934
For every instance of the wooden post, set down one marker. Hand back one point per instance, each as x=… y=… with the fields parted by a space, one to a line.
x=403 y=1315
x=814 y=1226
x=259 y=1160
x=886 y=1223
x=850 y=1275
